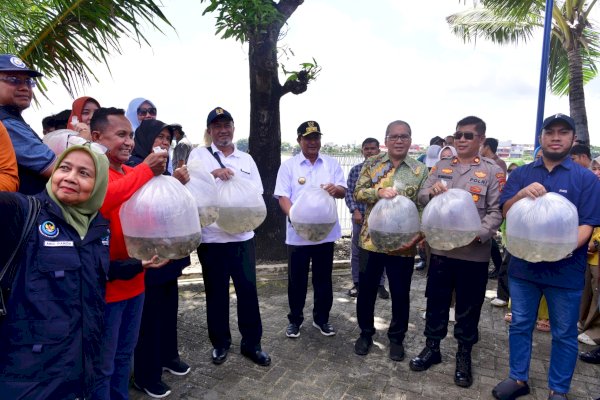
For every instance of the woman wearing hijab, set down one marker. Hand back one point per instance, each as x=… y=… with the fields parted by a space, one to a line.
x=140 y=109
x=447 y=152
x=81 y=113
x=51 y=332
x=157 y=348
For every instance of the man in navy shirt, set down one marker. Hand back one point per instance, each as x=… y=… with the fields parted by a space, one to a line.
x=561 y=282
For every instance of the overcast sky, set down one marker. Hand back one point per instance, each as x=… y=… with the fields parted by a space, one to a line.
x=385 y=61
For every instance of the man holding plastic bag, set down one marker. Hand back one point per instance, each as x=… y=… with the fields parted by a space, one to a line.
x=562 y=281
x=385 y=178
x=228 y=253
x=314 y=234
x=456 y=266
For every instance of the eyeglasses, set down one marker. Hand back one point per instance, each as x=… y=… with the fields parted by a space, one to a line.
x=144 y=111
x=73 y=140
x=468 y=135
x=14 y=81
x=395 y=138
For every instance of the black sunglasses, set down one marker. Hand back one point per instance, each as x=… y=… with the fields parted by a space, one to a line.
x=144 y=111
x=468 y=135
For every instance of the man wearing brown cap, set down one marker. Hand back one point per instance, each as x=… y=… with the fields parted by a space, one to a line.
x=224 y=255
x=34 y=159
x=309 y=168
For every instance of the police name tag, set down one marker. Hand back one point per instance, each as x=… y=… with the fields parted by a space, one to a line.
x=62 y=243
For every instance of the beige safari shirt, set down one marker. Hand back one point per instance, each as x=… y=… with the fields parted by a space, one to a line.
x=484 y=179
x=379 y=172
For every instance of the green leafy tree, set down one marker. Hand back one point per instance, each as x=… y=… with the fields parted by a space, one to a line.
x=60 y=38
x=259 y=23
x=242 y=144
x=574 y=46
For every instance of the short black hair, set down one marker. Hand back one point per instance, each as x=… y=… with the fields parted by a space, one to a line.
x=581 y=149
x=369 y=140
x=436 y=140
x=62 y=119
x=100 y=118
x=472 y=120
x=492 y=144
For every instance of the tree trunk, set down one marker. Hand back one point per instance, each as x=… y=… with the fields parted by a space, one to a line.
x=576 y=93
x=265 y=139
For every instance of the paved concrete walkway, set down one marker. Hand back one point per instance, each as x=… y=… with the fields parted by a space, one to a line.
x=318 y=367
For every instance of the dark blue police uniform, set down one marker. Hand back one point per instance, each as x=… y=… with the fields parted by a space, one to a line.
x=50 y=339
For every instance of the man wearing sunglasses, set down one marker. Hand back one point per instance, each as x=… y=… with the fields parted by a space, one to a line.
x=463 y=269
x=35 y=160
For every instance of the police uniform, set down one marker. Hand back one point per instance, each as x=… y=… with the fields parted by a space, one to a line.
x=51 y=334
x=463 y=269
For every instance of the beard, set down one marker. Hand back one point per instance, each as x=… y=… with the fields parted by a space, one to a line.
x=555 y=156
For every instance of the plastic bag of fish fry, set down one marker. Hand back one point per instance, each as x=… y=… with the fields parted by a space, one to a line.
x=204 y=189
x=161 y=218
x=450 y=220
x=241 y=205
x=314 y=214
x=542 y=229
x=393 y=223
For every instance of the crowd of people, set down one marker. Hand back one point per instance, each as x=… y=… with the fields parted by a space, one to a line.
x=76 y=309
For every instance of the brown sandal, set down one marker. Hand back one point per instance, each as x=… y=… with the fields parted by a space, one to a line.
x=508 y=317
x=542 y=325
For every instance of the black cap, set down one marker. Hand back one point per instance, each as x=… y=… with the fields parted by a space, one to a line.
x=12 y=63
x=218 y=112
x=308 y=127
x=559 y=117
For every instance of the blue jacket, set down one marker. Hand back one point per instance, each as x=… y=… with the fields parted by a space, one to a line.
x=50 y=338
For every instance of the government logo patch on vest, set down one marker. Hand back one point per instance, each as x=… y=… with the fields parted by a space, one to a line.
x=48 y=229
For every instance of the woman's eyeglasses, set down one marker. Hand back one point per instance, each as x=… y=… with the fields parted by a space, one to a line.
x=145 y=111
x=468 y=135
x=73 y=140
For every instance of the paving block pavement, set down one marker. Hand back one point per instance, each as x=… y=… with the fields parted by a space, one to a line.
x=317 y=367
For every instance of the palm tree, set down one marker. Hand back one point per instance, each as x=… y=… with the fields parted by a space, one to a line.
x=60 y=38
x=574 y=44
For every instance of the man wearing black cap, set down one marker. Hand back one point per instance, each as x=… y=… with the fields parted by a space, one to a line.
x=224 y=255
x=309 y=168
x=183 y=148
x=34 y=159
x=561 y=282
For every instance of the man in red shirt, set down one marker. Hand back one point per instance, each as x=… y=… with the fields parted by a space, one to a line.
x=125 y=286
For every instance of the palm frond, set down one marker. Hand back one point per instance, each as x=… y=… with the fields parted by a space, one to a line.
x=490 y=25
x=60 y=38
x=515 y=8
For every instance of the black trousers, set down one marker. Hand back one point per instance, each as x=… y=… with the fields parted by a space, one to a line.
x=299 y=259
x=503 y=292
x=157 y=342
x=496 y=255
x=399 y=272
x=235 y=260
x=468 y=279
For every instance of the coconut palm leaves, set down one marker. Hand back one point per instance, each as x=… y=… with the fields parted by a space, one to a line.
x=61 y=38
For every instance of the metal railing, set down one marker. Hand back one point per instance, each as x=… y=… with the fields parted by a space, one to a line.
x=345 y=218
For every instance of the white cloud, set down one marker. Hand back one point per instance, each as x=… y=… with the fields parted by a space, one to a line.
x=392 y=60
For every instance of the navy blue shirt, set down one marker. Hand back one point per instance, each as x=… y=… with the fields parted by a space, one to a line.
x=582 y=188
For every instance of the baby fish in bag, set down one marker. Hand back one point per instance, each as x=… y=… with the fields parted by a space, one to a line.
x=450 y=220
x=204 y=189
x=542 y=229
x=241 y=205
x=393 y=223
x=314 y=214
x=161 y=218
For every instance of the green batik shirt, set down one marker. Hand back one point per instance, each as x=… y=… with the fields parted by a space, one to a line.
x=379 y=172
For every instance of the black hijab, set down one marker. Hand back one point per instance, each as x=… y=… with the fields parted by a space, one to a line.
x=145 y=135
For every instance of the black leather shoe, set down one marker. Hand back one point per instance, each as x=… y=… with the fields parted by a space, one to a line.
x=219 y=356
x=425 y=359
x=462 y=375
x=396 y=351
x=591 y=357
x=362 y=345
x=257 y=356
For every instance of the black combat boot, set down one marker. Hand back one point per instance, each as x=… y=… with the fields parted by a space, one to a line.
x=462 y=375
x=429 y=355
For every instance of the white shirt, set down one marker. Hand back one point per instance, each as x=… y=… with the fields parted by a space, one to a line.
x=241 y=164
x=325 y=170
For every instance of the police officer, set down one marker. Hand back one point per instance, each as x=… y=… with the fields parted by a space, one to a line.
x=463 y=269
